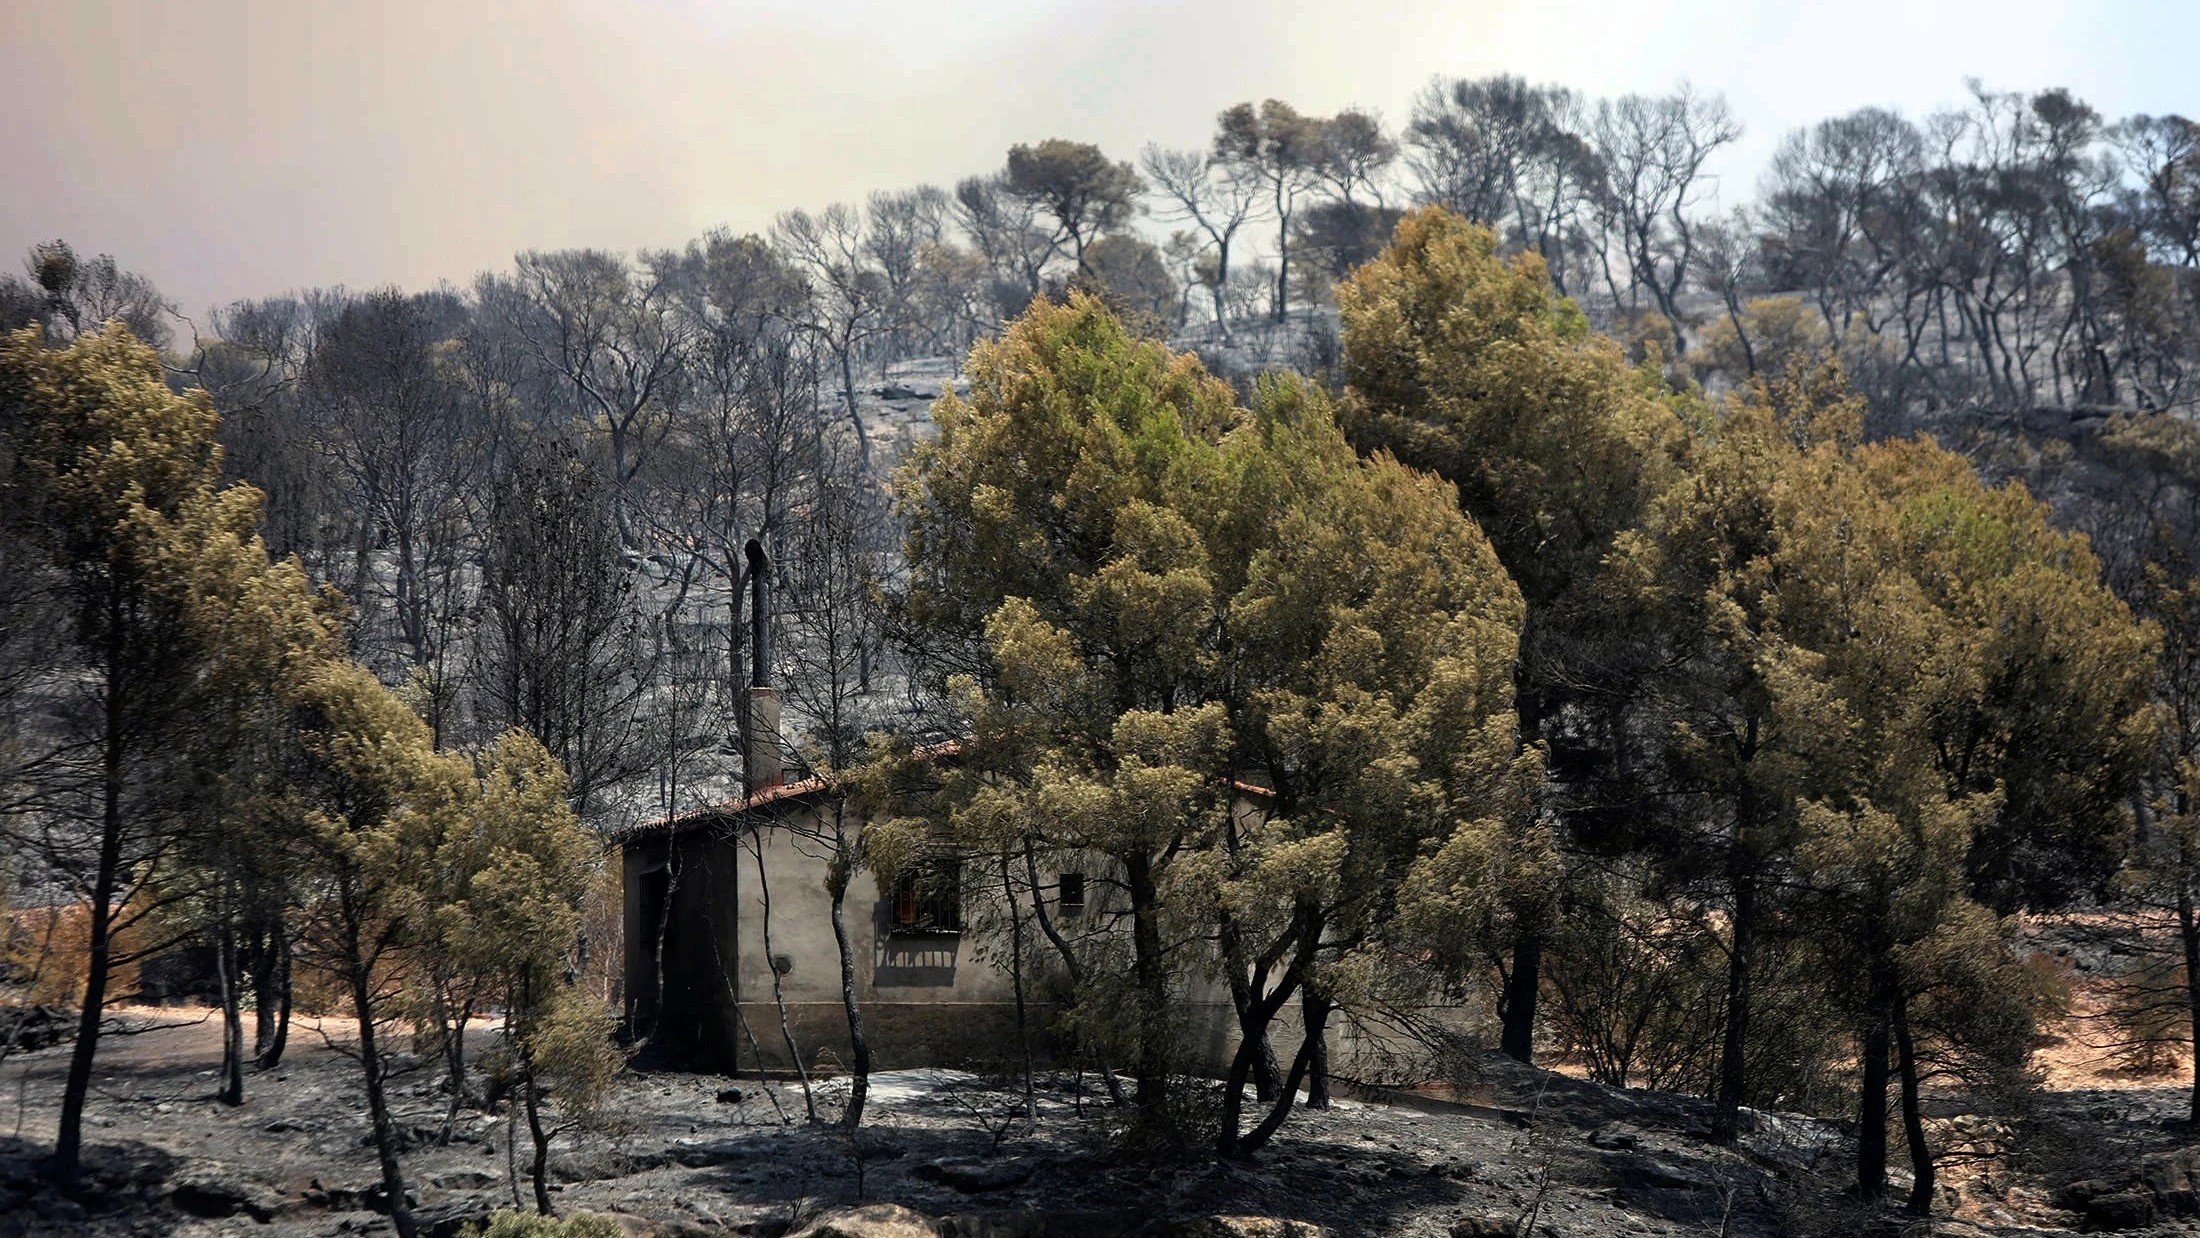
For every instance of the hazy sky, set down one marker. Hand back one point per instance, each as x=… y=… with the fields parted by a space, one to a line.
x=234 y=148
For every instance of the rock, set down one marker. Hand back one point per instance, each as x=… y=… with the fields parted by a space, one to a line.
x=1614 y=1138
x=597 y=1164
x=1031 y=1223
x=2123 y=1210
x=1023 y=1223
x=463 y=1180
x=453 y=1222
x=1647 y=1173
x=376 y=1198
x=214 y=1198
x=870 y=1221
x=1245 y=1227
x=968 y=1174
x=897 y=391
x=730 y=1096
x=369 y=1198
x=2173 y=1178
x=2074 y=1196
x=30 y=1028
x=631 y=1226
x=757 y=1220
x=1485 y=1227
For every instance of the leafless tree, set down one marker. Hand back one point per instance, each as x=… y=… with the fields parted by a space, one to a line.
x=1213 y=196
x=1653 y=152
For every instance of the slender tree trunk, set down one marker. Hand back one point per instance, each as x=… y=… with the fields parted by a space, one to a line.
x=1726 y=1114
x=1068 y=955
x=68 y=1153
x=847 y=352
x=454 y=1061
x=859 y=1046
x=1258 y=1138
x=540 y=1170
x=1241 y=1000
x=1523 y=984
x=1016 y=977
x=1913 y=1118
x=271 y=1046
x=779 y=990
x=231 y=1091
x=1219 y=289
x=378 y=1108
x=2188 y=930
x=1253 y=1033
x=1871 y=1120
x=1314 y=1009
x=1151 y=1073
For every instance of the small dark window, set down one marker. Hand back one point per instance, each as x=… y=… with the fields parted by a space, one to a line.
x=1072 y=896
x=928 y=897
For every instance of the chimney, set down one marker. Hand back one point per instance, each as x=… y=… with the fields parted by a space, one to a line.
x=763 y=763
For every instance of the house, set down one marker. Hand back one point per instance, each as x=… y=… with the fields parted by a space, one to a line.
x=731 y=954
x=729 y=944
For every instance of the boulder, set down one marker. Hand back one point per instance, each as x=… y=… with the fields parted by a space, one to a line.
x=2173 y=1178
x=1485 y=1227
x=2123 y=1210
x=1647 y=1173
x=1614 y=1138
x=870 y=1221
x=2074 y=1196
x=214 y=1198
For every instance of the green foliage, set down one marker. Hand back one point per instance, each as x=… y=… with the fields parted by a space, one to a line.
x=510 y=1223
x=1166 y=595
x=1472 y=367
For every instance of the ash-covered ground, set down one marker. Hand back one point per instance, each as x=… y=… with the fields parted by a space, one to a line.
x=694 y=1154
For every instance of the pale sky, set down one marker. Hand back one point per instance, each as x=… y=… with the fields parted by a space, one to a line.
x=233 y=148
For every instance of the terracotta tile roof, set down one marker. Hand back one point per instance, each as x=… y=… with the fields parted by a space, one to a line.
x=733 y=809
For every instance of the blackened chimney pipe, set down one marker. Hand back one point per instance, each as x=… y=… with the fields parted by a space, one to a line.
x=760 y=615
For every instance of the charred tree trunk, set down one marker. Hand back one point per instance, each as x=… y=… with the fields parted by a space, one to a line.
x=1913 y=1118
x=1871 y=1117
x=1151 y=1072
x=231 y=1091
x=1070 y=963
x=1260 y=1135
x=2188 y=931
x=1314 y=1008
x=378 y=1108
x=1726 y=1115
x=68 y=1152
x=1016 y=977
x=1516 y=1004
x=859 y=1045
x=540 y=1170
x=272 y=1036
x=454 y=1059
x=1241 y=1000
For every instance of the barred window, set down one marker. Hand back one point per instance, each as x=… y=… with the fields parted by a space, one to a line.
x=928 y=897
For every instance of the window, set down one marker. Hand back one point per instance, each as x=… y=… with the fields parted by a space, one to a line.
x=928 y=897
x=1072 y=893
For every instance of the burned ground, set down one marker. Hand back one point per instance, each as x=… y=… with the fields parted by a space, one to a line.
x=696 y=1153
